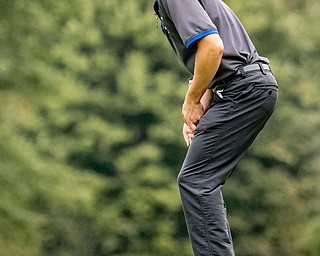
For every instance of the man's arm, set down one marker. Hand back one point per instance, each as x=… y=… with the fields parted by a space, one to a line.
x=208 y=58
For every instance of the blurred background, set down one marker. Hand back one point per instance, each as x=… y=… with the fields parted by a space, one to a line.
x=90 y=132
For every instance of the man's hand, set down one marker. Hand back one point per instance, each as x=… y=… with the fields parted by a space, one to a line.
x=187 y=131
x=192 y=112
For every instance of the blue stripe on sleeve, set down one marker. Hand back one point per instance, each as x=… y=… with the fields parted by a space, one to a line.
x=201 y=35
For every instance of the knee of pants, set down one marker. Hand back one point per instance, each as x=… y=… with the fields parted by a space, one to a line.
x=197 y=183
x=188 y=182
x=182 y=179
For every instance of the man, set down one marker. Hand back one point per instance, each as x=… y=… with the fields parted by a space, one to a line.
x=230 y=98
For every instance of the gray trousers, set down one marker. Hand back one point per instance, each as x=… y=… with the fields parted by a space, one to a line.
x=230 y=125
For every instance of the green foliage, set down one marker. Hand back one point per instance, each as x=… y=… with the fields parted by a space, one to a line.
x=90 y=131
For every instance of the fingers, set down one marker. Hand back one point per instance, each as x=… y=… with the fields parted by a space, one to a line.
x=188 y=134
x=185 y=133
x=191 y=125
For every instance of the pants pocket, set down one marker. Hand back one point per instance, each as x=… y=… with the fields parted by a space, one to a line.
x=270 y=103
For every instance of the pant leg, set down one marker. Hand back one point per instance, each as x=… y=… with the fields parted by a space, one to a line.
x=223 y=135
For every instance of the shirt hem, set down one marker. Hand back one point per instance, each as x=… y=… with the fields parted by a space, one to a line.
x=199 y=36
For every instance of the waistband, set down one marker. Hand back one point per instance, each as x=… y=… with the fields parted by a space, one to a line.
x=242 y=71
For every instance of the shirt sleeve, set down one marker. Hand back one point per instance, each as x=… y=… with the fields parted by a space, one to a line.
x=190 y=19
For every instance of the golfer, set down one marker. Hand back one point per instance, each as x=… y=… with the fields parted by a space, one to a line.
x=230 y=98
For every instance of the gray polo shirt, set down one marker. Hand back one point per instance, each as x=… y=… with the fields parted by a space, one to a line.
x=186 y=21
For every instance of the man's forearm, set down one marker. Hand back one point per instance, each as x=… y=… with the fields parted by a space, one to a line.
x=208 y=59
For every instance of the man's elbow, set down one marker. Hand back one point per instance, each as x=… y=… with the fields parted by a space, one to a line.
x=219 y=45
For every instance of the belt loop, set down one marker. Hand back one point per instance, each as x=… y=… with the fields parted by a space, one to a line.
x=261 y=68
x=243 y=73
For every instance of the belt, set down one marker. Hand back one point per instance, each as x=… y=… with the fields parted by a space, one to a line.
x=243 y=70
x=252 y=67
